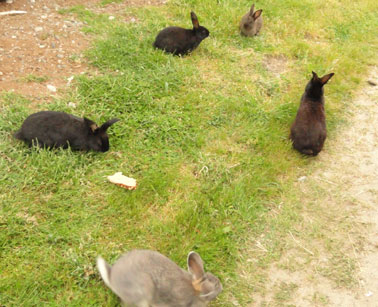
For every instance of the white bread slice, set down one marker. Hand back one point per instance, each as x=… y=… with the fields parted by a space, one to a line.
x=123 y=181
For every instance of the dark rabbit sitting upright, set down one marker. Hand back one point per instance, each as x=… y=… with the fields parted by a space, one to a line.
x=180 y=41
x=308 y=131
x=58 y=129
x=251 y=23
x=146 y=278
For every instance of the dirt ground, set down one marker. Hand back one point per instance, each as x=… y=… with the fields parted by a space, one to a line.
x=347 y=191
x=353 y=167
x=41 y=43
x=45 y=44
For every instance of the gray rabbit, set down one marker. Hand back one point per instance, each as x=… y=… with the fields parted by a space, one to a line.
x=251 y=23
x=58 y=129
x=146 y=278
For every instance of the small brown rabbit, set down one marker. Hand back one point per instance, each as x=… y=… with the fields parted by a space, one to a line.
x=146 y=278
x=308 y=131
x=251 y=23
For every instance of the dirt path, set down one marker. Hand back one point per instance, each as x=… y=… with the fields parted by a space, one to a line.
x=332 y=258
x=356 y=164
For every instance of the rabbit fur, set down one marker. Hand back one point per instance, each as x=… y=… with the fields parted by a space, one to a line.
x=251 y=23
x=180 y=41
x=58 y=129
x=147 y=278
x=308 y=132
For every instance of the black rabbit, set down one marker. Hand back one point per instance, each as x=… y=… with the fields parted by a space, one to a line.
x=58 y=129
x=180 y=41
x=308 y=131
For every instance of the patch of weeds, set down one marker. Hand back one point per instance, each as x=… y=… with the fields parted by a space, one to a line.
x=320 y=299
x=34 y=78
x=285 y=291
x=75 y=58
x=341 y=270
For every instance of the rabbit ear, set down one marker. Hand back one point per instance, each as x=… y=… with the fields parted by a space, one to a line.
x=194 y=20
x=107 y=124
x=257 y=14
x=195 y=266
x=252 y=9
x=326 y=78
x=314 y=75
x=91 y=125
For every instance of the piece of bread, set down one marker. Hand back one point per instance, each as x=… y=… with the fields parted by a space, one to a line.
x=123 y=181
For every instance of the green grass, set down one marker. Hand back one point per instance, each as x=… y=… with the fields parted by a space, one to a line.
x=204 y=135
x=34 y=78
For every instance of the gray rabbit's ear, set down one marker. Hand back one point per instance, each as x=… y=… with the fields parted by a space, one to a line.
x=257 y=14
x=251 y=11
x=91 y=125
x=195 y=266
x=326 y=78
x=194 y=20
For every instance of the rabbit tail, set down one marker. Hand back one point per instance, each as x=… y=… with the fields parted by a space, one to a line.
x=104 y=269
x=309 y=152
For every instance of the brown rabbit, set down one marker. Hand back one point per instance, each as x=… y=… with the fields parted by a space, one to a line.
x=308 y=131
x=251 y=23
x=146 y=278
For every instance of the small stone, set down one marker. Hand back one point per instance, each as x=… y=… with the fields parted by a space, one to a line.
x=69 y=80
x=38 y=29
x=301 y=179
x=1 y=73
x=51 y=88
x=369 y=293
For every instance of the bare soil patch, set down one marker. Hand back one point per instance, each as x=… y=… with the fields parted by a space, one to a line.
x=46 y=44
x=332 y=258
x=42 y=43
x=277 y=64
